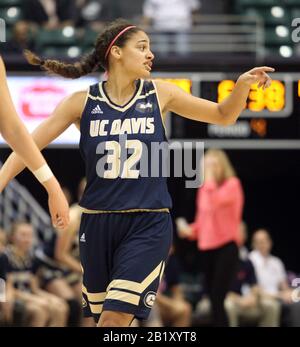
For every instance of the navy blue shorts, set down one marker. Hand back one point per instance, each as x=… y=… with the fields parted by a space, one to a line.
x=123 y=257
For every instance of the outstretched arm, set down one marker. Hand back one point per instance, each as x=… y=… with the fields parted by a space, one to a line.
x=173 y=98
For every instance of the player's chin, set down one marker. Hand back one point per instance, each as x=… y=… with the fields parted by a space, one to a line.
x=145 y=73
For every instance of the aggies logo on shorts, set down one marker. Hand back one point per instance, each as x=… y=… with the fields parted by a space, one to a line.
x=84 y=303
x=149 y=299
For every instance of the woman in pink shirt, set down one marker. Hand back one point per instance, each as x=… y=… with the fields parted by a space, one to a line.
x=216 y=228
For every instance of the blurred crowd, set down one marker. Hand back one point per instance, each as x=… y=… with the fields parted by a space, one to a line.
x=90 y=16
x=175 y=26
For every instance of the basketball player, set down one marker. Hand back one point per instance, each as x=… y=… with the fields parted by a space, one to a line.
x=20 y=141
x=126 y=229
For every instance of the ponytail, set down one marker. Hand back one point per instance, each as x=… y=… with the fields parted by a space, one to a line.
x=85 y=66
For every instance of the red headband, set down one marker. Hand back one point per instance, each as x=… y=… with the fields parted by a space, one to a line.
x=116 y=38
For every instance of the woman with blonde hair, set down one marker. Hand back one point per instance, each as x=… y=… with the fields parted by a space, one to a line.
x=216 y=228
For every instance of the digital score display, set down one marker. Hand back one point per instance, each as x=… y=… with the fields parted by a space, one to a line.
x=270 y=99
x=270 y=114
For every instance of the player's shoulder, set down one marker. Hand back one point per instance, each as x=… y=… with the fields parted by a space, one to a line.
x=2 y=69
x=78 y=95
x=161 y=84
x=166 y=88
x=76 y=99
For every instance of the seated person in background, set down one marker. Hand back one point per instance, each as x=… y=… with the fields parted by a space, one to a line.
x=21 y=39
x=3 y=240
x=51 y=14
x=171 y=20
x=272 y=277
x=44 y=309
x=6 y=293
x=243 y=302
x=174 y=310
x=94 y=13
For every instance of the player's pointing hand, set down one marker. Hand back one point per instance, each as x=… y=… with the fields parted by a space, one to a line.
x=257 y=75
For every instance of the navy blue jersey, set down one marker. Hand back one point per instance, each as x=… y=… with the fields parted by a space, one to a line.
x=21 y=268
x=3 y=266
x=115 y=142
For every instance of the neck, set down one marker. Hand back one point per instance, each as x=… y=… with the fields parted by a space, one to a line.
x=119 y=88
x=20 y=252
x=264 y=255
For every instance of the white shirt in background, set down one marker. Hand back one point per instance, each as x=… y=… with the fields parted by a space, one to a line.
x=171 y=15
x=270 y=272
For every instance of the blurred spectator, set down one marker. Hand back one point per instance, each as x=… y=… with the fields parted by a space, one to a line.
x=43 y=308
x=3 y=240
x=272 y=277
x=131 y=10
x=174 y=310
x=21 y=38
x=219 y=211
x=172 y=20
x=94 y=14
x=243 y=302
x=51 y=14
x=6 y=293
x=8 y=304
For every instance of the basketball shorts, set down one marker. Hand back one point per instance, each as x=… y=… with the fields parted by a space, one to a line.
x=123 y=256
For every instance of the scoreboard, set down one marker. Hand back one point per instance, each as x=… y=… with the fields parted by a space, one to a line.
x=271 y=117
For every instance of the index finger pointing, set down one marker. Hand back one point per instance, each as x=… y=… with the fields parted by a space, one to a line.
x=263 y=68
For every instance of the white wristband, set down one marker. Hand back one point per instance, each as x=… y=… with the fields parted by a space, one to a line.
x=43 y=174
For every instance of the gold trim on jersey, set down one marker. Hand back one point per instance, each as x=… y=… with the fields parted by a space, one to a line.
x=138 y=98
x=118 y=108
x=160 y=109
x=147 y=94
x=96 y=98
x=96 y=309
x=136 y=286
x=94 y=297
x=162 y=271
x=123 y=296
x=86 y=210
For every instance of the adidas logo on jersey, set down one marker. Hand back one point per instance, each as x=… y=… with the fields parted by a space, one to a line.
x=97 y=110
x=82 y=238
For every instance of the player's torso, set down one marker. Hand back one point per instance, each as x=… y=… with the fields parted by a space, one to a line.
x=116 y=143
x=21 y=268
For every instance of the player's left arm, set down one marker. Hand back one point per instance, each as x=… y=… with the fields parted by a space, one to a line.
x=173 y=98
